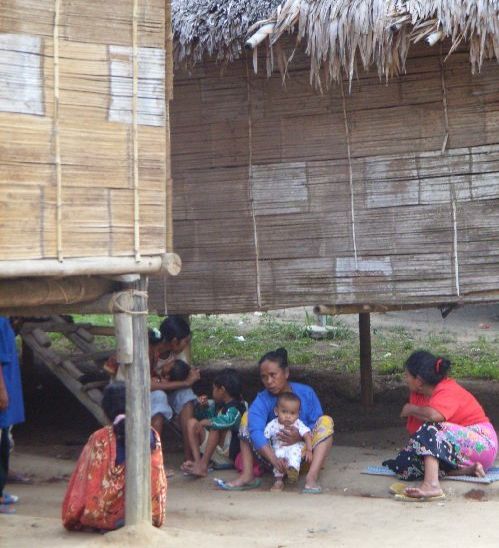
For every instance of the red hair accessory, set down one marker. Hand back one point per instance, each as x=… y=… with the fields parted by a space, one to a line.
x=438 y=364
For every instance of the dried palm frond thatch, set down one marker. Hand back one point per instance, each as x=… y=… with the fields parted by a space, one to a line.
x=215 y=27
x=338 y=35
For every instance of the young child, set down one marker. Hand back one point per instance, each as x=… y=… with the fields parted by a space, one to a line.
x=290 y=456
x=215 y=430
x=179 y=371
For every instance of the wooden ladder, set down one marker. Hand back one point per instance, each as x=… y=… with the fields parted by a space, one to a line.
x=80 y=370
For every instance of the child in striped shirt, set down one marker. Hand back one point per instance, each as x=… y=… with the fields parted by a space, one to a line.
x=213 y=434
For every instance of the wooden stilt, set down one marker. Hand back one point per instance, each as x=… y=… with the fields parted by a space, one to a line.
x=186 y=355
x=366 y=374
x=138 y=413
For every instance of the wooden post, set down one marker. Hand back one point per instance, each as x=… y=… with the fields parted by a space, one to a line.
x=138 y=416
x=186 y=354
x=366 y=373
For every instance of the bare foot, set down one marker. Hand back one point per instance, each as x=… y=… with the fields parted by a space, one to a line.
x=423 y=491
x=186 y=465
x=197 y=469
x=473 y=470
x=478 y=471
x=278 y=486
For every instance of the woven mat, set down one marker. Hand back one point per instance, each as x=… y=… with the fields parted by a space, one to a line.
x=492 y=474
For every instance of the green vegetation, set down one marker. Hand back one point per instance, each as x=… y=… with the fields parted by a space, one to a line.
x=248 y=337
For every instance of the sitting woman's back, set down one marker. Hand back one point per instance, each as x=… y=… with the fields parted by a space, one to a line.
x=95 y=497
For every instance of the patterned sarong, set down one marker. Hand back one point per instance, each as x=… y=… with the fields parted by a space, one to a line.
x=453 y=445
x=95 y=496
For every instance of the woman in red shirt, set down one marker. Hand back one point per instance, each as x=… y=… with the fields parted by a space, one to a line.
x=450 y=433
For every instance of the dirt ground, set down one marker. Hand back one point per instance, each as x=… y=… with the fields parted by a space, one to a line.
x=354 y=510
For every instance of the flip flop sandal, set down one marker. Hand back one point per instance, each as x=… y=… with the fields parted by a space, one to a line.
x=221 y=484
x=406 y=498
x=397 y=488
x=9 y=499
x=312 y=490
x=7 y=509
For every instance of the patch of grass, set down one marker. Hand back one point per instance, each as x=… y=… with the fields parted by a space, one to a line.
x=248 y=337
x=215 y=338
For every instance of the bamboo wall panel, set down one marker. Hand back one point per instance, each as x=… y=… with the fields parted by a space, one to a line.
x=67 y=134
x=385 y=194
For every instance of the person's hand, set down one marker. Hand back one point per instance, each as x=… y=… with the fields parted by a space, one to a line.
x=281 y=465
x=406 y=411
x=309 y=456
x=4 y=399
x=193 y=376
x=205 y=422
x=289 y=435
x=203 y=400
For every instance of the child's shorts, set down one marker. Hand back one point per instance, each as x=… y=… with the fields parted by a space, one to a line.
x=170 y=403
x=221 y=454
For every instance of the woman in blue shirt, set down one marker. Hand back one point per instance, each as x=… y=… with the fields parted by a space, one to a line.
x=274 y=373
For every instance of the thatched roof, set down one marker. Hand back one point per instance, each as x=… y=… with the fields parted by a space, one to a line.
x=215 y=27
x=338 y=35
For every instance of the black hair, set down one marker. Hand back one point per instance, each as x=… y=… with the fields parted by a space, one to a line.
x=179 y=371
x=229 y=379
x=288 y=396
x=429 y=368
x=279 y=356
x=114 y=404
x=174 y=327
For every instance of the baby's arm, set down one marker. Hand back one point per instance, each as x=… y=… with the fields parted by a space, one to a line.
x=307 y=438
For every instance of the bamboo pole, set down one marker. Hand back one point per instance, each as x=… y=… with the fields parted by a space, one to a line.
x=366 y=373
x=169 y=263
x=107 y=304
x=135 y=133
x=56 y=133
x=50 y=291
x=338 y=309
x=138 y=415
x=168 y=98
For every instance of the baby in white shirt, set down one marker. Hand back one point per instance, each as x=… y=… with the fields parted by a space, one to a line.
x=287 y=411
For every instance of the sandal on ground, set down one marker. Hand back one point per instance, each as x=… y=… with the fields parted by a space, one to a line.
x=221 y=484
x=406 y=498
x=7 y=509
x=7 y=498
x=397 y=488
x=312 y=490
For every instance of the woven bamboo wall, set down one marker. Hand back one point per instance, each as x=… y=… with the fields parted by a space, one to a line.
x=80 y=174
x=285 y=197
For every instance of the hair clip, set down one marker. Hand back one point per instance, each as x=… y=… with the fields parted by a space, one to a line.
x=118 y=419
